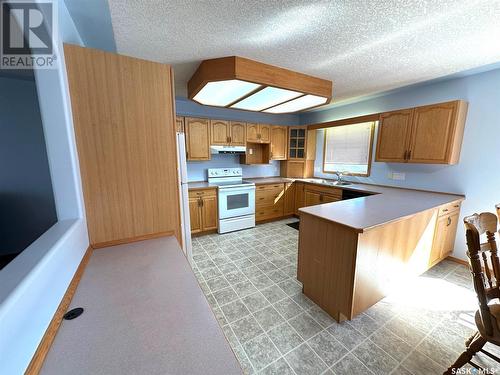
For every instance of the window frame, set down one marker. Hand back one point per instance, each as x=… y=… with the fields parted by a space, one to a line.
x=370 y=152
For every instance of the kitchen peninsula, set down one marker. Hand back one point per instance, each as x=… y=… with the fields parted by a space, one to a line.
x=352 y=253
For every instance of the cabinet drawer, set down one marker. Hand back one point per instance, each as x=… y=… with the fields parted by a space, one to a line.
x=271 y=195
x=269 y=212
x=448 y=208
x=202 y=193
x=269 y=187
x=325 y=190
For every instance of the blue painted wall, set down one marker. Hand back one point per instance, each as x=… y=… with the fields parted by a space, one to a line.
x=92 y=19
x=27 y=207
x=197 y=171
x=474 y=176
x=33 y=284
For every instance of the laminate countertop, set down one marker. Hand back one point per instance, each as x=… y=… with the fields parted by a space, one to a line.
x=385 y=205
x=144 y=314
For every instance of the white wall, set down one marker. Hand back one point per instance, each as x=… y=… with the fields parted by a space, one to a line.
x=32 y=286
x=476 y=175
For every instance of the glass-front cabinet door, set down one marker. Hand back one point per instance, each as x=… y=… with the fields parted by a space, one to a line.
x=297 y=145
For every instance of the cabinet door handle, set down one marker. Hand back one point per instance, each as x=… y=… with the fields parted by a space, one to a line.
x=448 y=222
x=230 y=139
x=409 y=154
x=201 y=201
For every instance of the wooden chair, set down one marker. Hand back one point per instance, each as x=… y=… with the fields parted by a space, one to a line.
x=485 y=270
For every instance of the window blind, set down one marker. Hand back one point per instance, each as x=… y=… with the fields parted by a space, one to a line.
x=347 y=148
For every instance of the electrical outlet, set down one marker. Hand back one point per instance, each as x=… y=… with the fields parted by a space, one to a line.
x=398 y=176
x=250 y=151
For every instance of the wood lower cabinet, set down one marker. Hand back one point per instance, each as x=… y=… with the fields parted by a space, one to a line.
x=269 y=201
x=289 y=208
x=314 y=195
x=429 y=134
x=346 y=271
x=300 y=198
x=197 y=138
x=445 y=233
x=203 y=210
x=279 y=142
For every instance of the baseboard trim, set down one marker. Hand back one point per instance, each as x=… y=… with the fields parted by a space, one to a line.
x=457 y=260
x=100 y=245
x=48 y=338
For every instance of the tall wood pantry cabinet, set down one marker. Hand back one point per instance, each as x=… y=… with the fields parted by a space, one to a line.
x=125 y=134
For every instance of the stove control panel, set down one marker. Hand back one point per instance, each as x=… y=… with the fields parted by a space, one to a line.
x=225 y=172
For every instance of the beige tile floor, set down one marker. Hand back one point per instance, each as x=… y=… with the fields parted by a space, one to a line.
x=249 y=279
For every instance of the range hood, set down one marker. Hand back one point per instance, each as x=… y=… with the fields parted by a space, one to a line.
x=227 y=149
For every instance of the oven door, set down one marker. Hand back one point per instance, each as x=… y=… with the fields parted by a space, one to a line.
x=236 y=201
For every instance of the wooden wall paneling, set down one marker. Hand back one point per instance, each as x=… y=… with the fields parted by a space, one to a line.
x=125 y=131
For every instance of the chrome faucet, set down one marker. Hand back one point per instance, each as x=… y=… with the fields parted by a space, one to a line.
x=339 y=176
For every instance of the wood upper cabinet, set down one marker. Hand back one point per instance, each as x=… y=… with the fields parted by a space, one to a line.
x=258 y=133
x=434 y=140
x=279 y=142
x=123 y=115
x=238 y=133
x=203 y=210
x=197 y=138
x=252 y=132
x=219 y=132
x=265 y=133
x=430 y=134
x=393 y=135
x=179 y=124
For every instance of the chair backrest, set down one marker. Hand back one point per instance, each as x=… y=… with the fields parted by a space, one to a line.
x=483 y=259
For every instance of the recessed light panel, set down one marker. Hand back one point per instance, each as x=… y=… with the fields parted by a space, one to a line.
x=223 y=93
x=265 y=98
x=304 y=102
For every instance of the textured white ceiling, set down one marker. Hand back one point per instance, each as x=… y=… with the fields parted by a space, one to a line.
x=363 y=46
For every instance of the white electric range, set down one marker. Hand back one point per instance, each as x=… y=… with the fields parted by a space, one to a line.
x=236 y=199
